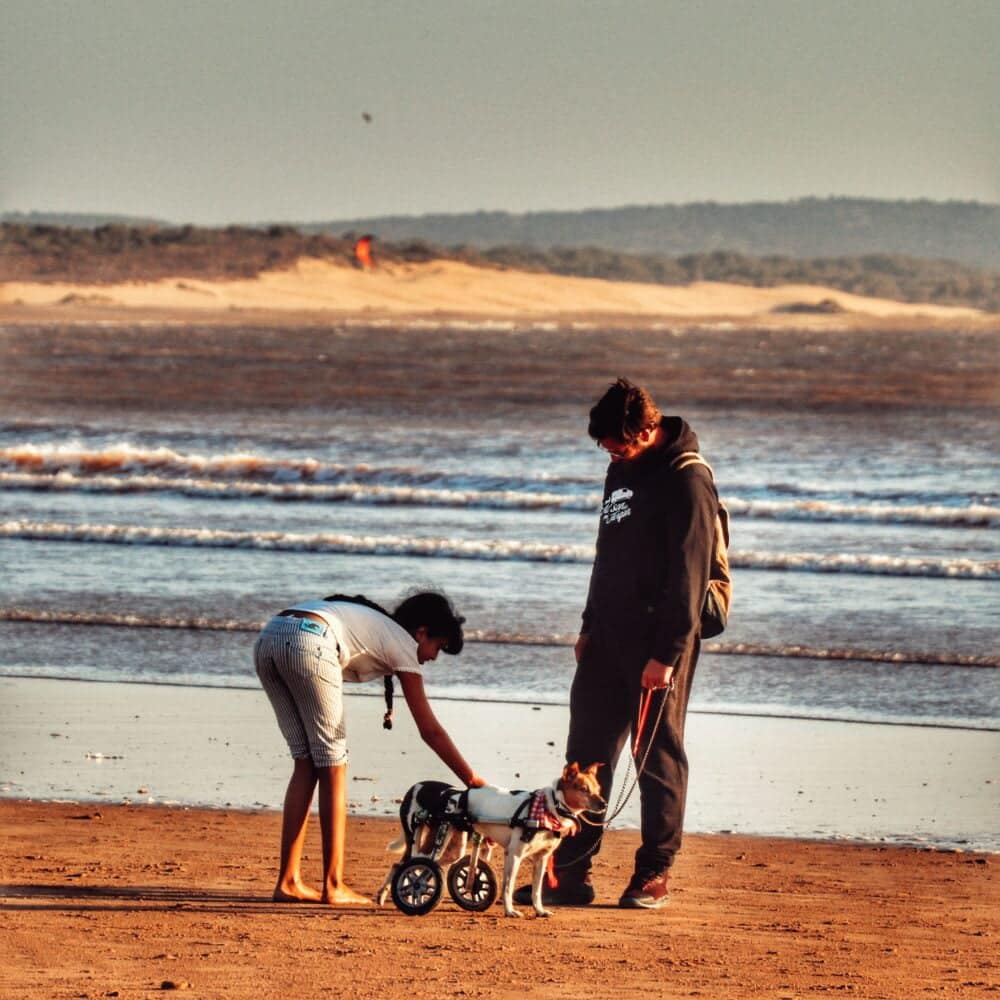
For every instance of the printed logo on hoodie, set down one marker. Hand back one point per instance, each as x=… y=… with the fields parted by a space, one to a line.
x=616 y=507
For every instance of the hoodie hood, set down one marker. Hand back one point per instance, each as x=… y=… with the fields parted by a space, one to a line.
x=677 y=438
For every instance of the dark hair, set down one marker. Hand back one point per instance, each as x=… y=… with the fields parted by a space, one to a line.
x=622 y=413
x=426 y=608
x=356 y=599
x=435 y=612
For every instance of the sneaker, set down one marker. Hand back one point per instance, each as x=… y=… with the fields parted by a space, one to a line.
x=569 y=892
x=647 y=890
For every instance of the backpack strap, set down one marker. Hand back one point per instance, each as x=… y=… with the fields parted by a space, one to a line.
x=686 y=458
x=681 y=462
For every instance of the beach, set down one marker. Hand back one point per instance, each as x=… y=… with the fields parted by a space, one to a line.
x=109 y=848
x=104 y=851
x=323 y=305
x=178 y=463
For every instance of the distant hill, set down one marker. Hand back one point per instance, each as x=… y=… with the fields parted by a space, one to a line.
x=77 y=220
x=968 y=232
x=809 y=228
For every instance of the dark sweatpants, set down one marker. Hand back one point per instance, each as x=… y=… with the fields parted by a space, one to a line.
x=604 y=708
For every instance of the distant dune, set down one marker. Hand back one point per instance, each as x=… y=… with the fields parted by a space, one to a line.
x=447 y=288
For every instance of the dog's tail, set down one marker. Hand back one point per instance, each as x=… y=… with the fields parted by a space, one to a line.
x=398 y=845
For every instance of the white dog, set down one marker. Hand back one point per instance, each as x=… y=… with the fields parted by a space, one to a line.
x=527 y=824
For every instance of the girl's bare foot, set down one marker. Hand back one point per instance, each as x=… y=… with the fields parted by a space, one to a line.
x=296 y=892
x=342 y=896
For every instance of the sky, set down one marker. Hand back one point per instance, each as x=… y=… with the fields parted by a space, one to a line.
x=226 y=111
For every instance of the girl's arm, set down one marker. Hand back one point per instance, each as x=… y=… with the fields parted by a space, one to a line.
x=432 y=732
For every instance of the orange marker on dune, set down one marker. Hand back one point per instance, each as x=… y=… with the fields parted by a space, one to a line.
x=363 y=252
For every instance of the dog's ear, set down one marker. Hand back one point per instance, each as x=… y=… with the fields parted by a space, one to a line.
x=592 y=770
x=570 y=771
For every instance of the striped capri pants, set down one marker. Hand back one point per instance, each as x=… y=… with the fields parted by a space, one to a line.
x=301 y=674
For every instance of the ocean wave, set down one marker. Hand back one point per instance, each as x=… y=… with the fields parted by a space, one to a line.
x=359 y=493
x=487 y=550
x=45 y=616
x=251 y=467
x=824 y=511
x=870 y=564
x=880 y=494
x=201 y=471
x=817 y=511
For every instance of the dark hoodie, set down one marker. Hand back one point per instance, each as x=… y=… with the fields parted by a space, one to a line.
x=654 y=547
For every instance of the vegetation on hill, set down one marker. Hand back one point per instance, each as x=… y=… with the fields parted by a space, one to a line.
x=887 y=276
x=807 y=228
x=119 y=252
x=968 y=232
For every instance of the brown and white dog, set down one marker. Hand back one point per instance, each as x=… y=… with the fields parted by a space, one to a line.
x=527 y=824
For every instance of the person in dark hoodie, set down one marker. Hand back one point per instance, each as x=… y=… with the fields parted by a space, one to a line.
x=641 y=631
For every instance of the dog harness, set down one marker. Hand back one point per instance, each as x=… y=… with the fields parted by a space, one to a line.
x=536 y=814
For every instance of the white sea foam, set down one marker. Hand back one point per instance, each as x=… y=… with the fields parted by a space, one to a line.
x=125 y=458
x=487 y=549
x=225 y=480
x=975 y=515
x=360 y=493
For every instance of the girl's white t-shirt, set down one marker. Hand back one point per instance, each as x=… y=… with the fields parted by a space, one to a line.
x=371 y=644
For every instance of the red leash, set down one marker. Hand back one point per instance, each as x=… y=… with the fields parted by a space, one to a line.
x=647 y=697
x=550 y=872
x=645 y=701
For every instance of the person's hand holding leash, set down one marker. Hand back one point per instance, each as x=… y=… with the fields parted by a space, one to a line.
x=657 y=675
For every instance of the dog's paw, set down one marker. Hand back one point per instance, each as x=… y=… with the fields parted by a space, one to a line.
x=512 y=913
x=543 y=913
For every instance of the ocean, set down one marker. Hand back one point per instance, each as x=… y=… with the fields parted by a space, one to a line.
x=165 y=488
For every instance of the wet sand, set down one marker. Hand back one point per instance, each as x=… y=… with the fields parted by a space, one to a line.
x=219 y=747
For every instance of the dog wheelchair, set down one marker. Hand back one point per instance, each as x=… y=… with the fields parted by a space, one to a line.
x=440 y=812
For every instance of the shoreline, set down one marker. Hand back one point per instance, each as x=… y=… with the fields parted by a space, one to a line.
x=81 y=741
x=920 y=722
x=468 y=321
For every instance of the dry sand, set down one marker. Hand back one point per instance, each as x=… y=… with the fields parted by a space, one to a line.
x=453 y=289
x=131 y=901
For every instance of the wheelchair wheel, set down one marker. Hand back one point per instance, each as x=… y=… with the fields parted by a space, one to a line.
x=416 y=886
x=478 y=893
